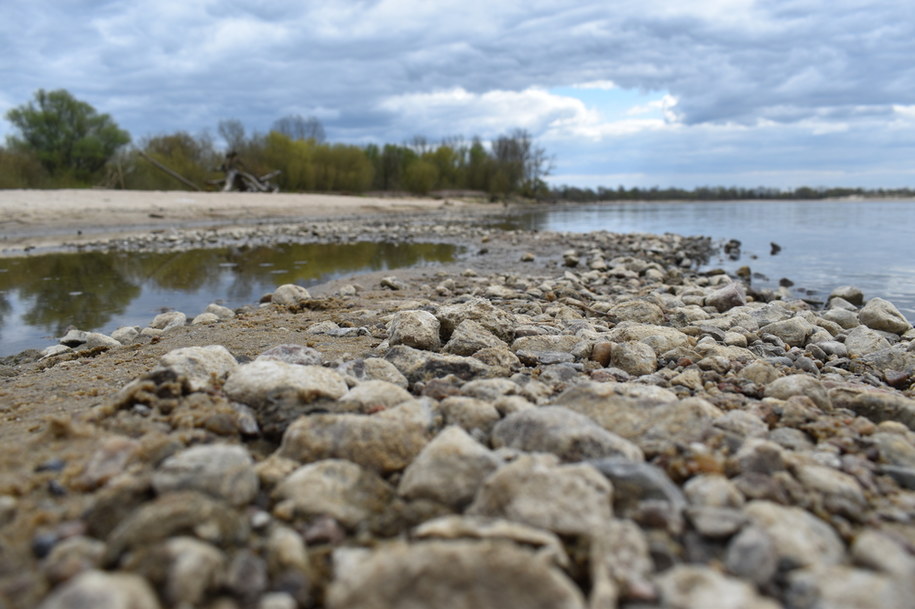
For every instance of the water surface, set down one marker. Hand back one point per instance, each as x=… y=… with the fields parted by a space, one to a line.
x=40 y=296
x=824 y=244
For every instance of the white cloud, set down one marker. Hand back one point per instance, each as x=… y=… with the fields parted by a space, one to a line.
x=749 y=74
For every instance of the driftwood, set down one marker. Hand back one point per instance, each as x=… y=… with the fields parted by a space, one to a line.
x=170 y=172
x=238 y=178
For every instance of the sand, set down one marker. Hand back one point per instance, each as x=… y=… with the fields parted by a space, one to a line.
x=49 y=218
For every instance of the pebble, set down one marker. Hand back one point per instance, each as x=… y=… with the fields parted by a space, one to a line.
x=336 y=488
x=202 y=366
x=567 y=434
x=254 y=383
x=487 y=574
x=608 y=428
x=220 y=470
x=537 y=490
x=417 y=329
x=290 y=295
x=167 y=321
x=449 y=470
x=100 y=589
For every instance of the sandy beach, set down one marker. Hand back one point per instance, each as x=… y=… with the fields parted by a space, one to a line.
x=50 y=218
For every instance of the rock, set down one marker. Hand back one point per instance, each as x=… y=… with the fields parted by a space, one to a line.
x=193 y=568
x=879 y=314
x=878 y=551
x=712 y=490
x=842 y=493
x=536 y=490
x=562 y=343
x=567 y=434
x=290 y=295
x=757 y=455
x=793 y=331
x=204 y=367
x=894 y=449
x=801 y=539
x=799 y=384
x=449 y=470
x=220 y=470
x=176 y=513
x=169 y=320
x=126 y=334
x=862 y=341
x=417 y=329
x=698 y=587
x=726 y=298
x=843 y=317
x=392 y=283
x=385 y=442
x=643 y=414
x=372 y=396
x=255 y=383
x=848 y=293
x=336 y=488
x=496 y=320
x=220 y=311
x=8 y=506
x=842 y=587
x=96 y=339
x=205 y=318
x=876 y=405
x=759 y=372
x=659 y=338
x=500 y=360
x=477 y=417
x=292 y=354
x=55 y=350
x=752 y=555
x=417 y=365
x=72 y=556
x=73 y=338
x=715 y=522
x=277 y=600
x=469 y=337
x=634 y=482
x=449 y=574
x=373 y=368
x=107 y=461
x=285 y=549
x=101 y=590
x=475 y=527
x=637 y=359
x=621 y=565
x=638 y=311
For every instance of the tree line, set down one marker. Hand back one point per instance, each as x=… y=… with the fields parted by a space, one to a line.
x=63 y=142
x=720 y=193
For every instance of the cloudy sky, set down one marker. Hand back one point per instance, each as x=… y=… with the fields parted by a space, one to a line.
x=649 y=92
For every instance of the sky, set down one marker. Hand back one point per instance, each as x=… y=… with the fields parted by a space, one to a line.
x=777 y=93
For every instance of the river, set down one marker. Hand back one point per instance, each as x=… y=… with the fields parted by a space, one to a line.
x=824 y=244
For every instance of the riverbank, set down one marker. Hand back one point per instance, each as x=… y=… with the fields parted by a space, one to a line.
x=560 y=420
x=49 y=219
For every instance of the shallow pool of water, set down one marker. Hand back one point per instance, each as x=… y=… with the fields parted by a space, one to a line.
x=41 y=295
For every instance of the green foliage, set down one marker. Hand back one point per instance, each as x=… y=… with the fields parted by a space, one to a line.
x=68 y=137
x=22 y=169
x=195 y=158
x=421 y=176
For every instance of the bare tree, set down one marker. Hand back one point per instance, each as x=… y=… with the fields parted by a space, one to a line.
x=233 y=132
x=296 y=127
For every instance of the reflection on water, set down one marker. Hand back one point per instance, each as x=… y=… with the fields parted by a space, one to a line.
x=41 y=295
x=824 y=244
